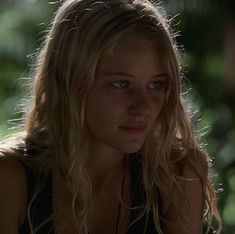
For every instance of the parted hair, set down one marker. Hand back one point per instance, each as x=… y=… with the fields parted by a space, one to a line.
x=65 y=69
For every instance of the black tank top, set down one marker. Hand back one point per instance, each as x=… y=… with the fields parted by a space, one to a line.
x=42 y=207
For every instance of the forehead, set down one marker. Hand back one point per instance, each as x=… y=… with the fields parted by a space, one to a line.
x=133 y=52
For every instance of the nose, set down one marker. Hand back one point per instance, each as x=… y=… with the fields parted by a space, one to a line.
x=140 y=105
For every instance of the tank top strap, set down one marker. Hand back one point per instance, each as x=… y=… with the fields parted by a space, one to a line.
x=39 y=199
x=138 y=223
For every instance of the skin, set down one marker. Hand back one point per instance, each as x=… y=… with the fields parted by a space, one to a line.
x=13 y=195
x=129 y=90
x=111 y=104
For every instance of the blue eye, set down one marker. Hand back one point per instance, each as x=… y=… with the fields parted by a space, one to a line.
x=156 y=85
x=120 y=84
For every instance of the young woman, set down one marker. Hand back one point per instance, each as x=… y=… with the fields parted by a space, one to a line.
x=108 y=145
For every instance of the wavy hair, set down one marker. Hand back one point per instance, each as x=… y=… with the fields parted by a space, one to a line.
x=80 y=33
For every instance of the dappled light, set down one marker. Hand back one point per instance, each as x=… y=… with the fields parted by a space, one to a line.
x=206 y=29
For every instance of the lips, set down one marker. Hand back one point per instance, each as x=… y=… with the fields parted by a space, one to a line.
x=134 y=129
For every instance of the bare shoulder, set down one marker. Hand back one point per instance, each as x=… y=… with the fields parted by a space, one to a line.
x=194 y=164
x=11 y=170
x=13 y=194
x=189 y=197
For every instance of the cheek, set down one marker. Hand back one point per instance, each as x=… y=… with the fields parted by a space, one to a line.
x=95 y=112
x=100 y=110
x=94 y=119
x=159 y=102
x=157 y=106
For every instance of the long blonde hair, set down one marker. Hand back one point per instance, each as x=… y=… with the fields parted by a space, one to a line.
x=65 y=70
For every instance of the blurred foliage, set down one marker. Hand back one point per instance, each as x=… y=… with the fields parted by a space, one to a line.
x=205 y=28
x=207 y=32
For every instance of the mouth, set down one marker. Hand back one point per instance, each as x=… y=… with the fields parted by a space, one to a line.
x=135 y=130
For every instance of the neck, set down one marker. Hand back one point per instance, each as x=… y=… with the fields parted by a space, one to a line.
x=104 y=162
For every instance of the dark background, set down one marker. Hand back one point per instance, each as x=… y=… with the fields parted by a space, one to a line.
x=207 y=31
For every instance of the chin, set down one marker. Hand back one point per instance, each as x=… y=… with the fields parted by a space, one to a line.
x=132 y=149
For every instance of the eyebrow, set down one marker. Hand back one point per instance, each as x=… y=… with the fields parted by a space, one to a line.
x=129 y=75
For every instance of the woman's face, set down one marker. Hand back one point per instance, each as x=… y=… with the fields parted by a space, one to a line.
x=127 y=95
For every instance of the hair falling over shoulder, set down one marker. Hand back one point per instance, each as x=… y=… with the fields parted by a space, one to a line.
x=64 y=73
